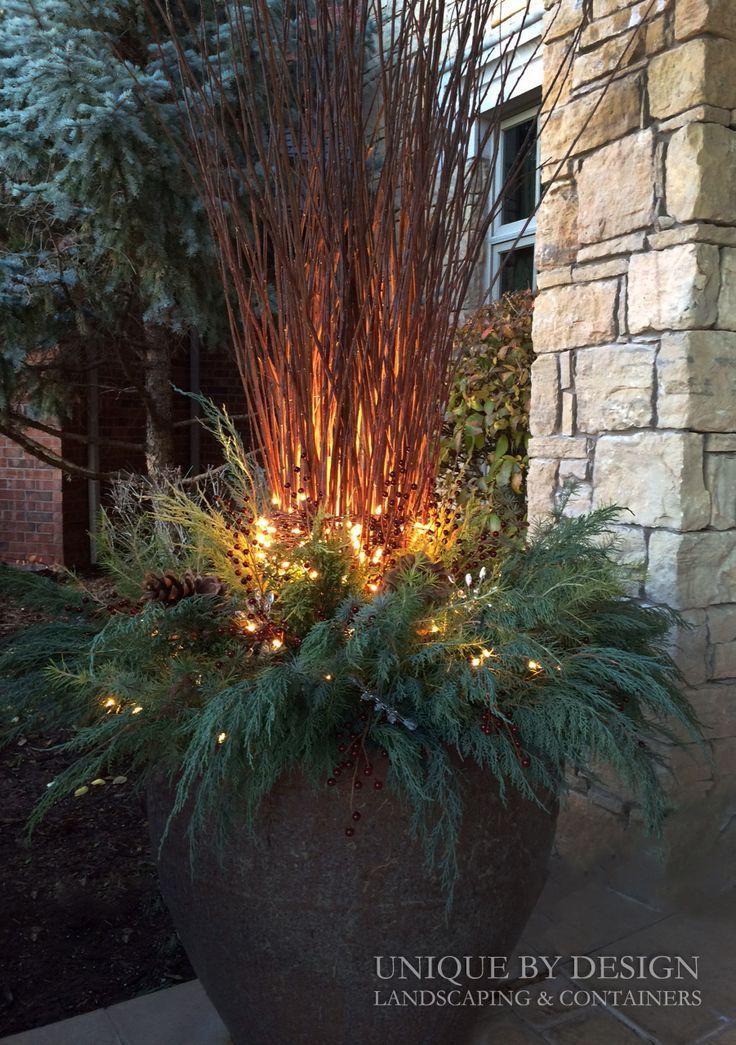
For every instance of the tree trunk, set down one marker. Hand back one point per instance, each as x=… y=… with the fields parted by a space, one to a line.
x=159 y=404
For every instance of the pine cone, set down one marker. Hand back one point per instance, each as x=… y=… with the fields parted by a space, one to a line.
x=169 y=588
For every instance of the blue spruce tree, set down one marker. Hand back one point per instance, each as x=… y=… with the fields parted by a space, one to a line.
x=105 y=252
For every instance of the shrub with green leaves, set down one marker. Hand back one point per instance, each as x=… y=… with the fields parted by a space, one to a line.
x=484 y=446
x=523 y=660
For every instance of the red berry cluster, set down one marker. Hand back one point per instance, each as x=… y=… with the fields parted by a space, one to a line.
x=357 y=763
x=297 y=491
x=239 y=523
x=490 y=723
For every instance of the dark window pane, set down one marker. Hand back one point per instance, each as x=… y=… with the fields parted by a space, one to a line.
x=519 y=164
x=517 y=269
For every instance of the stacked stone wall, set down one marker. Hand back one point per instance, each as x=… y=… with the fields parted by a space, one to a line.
x=634 y=388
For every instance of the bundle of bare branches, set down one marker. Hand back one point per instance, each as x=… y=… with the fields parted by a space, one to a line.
x=347 y=176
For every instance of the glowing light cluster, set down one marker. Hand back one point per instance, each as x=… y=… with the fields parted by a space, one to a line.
x=475 y=662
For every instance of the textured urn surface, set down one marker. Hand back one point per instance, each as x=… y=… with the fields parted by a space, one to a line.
x=284 y=931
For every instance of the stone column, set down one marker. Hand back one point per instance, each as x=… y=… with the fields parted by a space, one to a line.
x=634 y=388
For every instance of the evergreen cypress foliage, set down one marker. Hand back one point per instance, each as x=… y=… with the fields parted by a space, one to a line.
x=522 y=660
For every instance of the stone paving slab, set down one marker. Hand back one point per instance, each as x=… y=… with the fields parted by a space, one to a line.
x=725 y=1037
x=181 y=1015
x=590 y=917
x=593 y=1027
x=712 y=938
x=93 y=1028
x=507 y=1030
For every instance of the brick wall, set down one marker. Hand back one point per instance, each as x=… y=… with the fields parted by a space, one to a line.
x=30 y=504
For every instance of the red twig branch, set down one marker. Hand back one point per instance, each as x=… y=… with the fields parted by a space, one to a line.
x=347 y=183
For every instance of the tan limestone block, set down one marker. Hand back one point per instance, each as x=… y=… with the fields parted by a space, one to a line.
x=727 y=296
x=556 y=74
x=576 y=315
x=562 y=19
x=604 y=8
x=626 y=168
x=724 y=661
x=560 y=129
x=656 y=35
x=597 y=117
x=724 y=755
x=611 y=57
x=558 y=446
x=541 y=486
x=701 y=173
x=557 y=236
x=575 y=489
x=720 y=481
x=697 y=232
x=716 y=708
x=694 y=17
x=692 y=569
x=549 y=172
x=614 y=385
x=618 y=245
x=673 y=289
x=722 y=623
x=618 y=21
x=693 y=73
x=631 y=544
x=574 y=468
x=567 y=423
x=690 y=651
x=698 y=114
x=565 y=359
x=600 y=269
x=545 y=405
x=554 y=277
x=696 y=381
x=658 y=476
x=720 y=444
x=611 y=111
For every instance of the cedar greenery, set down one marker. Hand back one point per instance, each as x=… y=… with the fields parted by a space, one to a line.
x=522 y=660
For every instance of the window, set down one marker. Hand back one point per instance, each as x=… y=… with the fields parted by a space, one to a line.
x=511 y=253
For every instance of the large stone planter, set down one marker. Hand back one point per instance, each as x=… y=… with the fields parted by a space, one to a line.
x=284 y=932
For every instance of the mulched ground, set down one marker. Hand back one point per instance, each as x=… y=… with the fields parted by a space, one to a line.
x=82 y=924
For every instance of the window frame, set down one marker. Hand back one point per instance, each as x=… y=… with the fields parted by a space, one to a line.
x=503 y=237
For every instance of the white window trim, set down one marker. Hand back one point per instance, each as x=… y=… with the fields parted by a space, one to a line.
x=516 y=234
